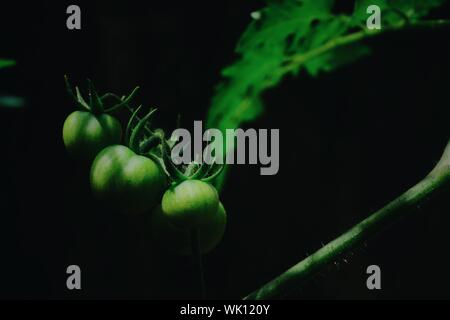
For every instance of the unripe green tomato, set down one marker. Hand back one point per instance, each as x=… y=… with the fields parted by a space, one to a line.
x=190 y=203
x=177 y=240
x=86 y=134
x=125 y=181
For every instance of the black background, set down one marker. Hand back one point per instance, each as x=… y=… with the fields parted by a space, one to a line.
x=350 y=142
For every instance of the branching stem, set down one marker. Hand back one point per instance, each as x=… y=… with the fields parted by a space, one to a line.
x=294 y=61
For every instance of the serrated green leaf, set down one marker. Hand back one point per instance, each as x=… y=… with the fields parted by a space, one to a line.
x=282 y=20
x=287 y=32
x=288 y=36
x=280 y=30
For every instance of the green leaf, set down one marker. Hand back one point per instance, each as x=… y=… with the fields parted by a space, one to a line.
x=12 y=102
x=290 y=36
x=360 y=15
x=394 y=11
x=283 y=39
x=416 y=8
x=282 y=20
x=328 y=62
x=6 y=63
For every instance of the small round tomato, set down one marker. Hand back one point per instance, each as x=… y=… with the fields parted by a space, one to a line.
x=125 y=181
x=86 y=134
x=190 y=203
x=178 y=240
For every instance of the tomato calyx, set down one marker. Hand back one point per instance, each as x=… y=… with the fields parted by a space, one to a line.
x=192 y=171
x=143 y=140
x=96 y=104
x=155 y=146
x=140 y=137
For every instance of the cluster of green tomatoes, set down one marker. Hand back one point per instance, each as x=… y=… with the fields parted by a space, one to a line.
x=139 y=176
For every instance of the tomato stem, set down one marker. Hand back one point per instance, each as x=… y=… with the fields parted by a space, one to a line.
x=437 y=180
x=123 y=102
x=146 y=145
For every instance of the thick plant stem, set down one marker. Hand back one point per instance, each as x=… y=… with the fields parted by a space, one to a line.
x=436 y=180
x=198 y=264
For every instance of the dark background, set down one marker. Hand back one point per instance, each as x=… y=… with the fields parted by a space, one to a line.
x=350 y=142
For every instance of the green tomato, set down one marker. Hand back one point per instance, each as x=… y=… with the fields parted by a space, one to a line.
x=190 y=203
x=86 y=134
x=178 y=240
x=125 y=181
